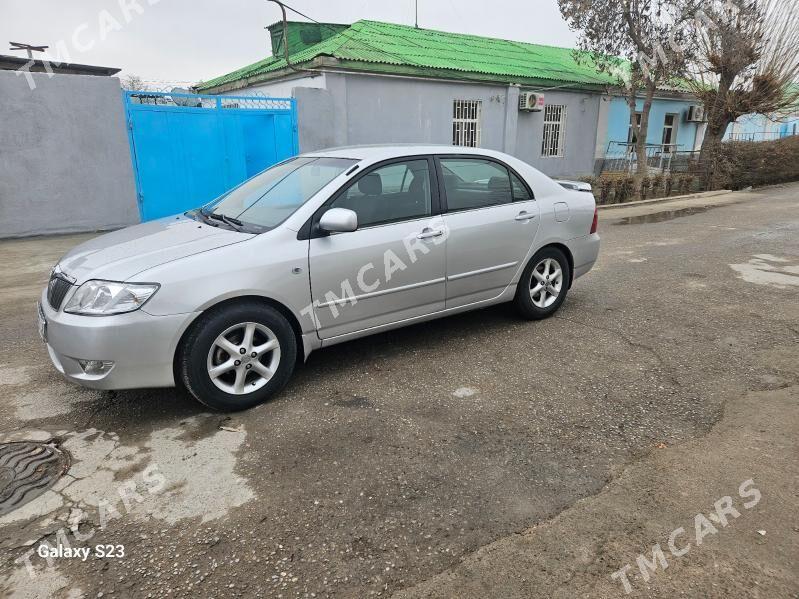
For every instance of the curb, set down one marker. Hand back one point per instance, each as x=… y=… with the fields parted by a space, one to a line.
x=695 y=196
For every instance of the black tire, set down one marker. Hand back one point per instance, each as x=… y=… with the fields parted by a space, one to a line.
x=524 y=300
x=193 y=355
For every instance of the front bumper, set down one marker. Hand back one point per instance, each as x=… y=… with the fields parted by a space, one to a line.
x=141 y=346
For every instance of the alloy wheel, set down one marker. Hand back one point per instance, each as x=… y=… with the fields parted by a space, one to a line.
x=546 y=282
x=243 y=358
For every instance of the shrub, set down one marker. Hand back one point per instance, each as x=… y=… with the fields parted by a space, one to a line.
x=646 y=183
x=669 y=183
x=740 y=164
x=605 y=187
x=657 y=184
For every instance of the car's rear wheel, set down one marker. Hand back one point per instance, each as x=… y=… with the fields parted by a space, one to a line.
x=543 y=285
x=237 y=356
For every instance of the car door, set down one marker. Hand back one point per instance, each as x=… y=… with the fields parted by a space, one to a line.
x=492 y=219
x=393 y=266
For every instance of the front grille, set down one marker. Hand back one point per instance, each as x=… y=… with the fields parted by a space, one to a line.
x=56 y=290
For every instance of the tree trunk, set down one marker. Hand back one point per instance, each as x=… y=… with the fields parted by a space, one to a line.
x=709 y=151
x=718 y=119
x=640 y=144
x=631 y=103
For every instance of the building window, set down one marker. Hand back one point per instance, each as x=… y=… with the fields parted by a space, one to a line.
x=631 y=136
x=466 y=116
x=554 y=130
x=669 y=139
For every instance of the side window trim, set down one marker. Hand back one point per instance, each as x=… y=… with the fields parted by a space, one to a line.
x=443 y=192
x=310 y=230
x=530 y=197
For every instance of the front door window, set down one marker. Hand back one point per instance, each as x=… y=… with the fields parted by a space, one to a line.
x=392 y=193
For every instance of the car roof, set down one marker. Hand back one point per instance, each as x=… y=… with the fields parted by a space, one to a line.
x=385 y=151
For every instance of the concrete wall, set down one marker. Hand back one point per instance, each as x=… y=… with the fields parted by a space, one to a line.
x=64 y=156
x=281 y=89
x=315 y=117
x=582 y=113
x=397 y=110
x=369 y=109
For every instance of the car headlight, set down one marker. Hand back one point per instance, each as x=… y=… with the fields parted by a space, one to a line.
x=101 y=298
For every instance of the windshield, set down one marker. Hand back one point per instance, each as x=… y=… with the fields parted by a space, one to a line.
x=269 y=198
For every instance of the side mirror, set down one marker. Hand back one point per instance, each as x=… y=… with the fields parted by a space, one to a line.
x=339 y=220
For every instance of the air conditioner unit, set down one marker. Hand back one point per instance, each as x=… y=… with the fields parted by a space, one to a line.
x=695 y=114
x=531 y=102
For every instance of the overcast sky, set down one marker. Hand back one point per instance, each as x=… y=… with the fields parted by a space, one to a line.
x=183 y=41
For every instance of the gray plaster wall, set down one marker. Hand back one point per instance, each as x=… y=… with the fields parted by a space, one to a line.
x=315 y=118
x=403 y=110
x=582 y=113
x=368 y=109
x=64 y=155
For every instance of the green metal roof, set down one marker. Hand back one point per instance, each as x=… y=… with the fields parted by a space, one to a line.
x=373 y=45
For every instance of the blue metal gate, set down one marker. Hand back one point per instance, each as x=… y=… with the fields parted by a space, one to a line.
x=188 y=149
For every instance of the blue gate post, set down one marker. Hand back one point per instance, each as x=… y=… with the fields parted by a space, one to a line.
x=294 y=125
x=129 y=126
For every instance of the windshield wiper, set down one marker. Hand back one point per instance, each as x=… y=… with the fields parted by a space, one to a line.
x=234 y=223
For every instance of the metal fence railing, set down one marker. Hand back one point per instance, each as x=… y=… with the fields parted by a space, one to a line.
x=758 y=135
x=622 y=157
x=185 y=100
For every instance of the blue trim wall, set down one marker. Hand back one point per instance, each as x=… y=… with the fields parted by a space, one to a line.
x=619 y=121
x=758 y=127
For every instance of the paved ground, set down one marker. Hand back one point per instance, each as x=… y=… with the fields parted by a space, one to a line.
x=475 y=456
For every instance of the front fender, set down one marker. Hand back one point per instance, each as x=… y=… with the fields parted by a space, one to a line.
x=273 y=266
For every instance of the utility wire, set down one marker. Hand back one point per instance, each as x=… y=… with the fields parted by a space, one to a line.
x=357 y=41
x=286 y=38
x=382 y=51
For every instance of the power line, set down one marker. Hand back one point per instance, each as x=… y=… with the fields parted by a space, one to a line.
x=357 y=41
x=286 y=38
x=383 y=51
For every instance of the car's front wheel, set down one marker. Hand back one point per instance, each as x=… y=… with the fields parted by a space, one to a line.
x=237 y=356
x=543 y=285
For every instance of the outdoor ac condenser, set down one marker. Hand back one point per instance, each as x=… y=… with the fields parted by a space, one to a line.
x=531 y=102
x=695 y=114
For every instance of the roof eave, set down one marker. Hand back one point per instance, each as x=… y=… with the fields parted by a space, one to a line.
x=305 y=69
x=327 y=63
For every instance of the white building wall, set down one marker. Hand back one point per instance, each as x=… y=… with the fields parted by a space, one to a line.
x=281 y=89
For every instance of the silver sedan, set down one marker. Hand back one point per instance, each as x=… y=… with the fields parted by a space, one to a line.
x=322 y=248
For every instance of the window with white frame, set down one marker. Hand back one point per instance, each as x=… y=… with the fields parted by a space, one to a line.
x=554 y=130
x=466 y=116
x=669 y=139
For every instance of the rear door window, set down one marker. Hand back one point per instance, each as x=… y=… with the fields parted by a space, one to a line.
x=472 y=183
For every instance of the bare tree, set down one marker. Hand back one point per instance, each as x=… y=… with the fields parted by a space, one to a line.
x=746 y=60
x=134 y=83
x=639 y=42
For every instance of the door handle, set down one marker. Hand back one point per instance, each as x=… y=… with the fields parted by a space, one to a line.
x=524 y=215
x=428 y=233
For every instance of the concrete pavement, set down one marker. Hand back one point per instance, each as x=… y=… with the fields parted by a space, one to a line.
x=477 y=454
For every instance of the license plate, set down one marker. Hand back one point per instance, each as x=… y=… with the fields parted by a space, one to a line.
x=42 y=322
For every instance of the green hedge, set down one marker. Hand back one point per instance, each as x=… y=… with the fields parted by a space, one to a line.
x=751 y=163
x=733 y=165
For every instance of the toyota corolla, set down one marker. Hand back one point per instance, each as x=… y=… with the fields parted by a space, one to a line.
x=326 y=247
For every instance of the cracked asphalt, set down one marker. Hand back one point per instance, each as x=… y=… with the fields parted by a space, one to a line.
x=472 y=456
